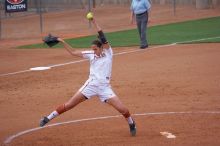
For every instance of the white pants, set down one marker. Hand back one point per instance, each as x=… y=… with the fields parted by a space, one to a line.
x=94 y=88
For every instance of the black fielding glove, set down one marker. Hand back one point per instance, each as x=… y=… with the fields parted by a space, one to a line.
x=50 y=40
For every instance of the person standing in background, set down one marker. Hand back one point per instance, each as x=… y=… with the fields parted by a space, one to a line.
x=140 y=10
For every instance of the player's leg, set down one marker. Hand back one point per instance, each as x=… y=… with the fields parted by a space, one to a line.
x=144 y=30
x=119 y=106
x=76 y=99
x=138 y=23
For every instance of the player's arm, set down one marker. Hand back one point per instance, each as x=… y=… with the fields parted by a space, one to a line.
x=101 y=34
x=69 y=49
x=132 y=17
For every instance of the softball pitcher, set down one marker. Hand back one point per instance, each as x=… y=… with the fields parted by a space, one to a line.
x=98 y=83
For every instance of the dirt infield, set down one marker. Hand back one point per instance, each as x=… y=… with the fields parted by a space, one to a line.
x=170 y=88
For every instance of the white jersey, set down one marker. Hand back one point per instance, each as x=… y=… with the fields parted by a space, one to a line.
x=100 y=66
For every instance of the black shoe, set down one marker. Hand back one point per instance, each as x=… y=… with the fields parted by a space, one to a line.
x=144 y=47
x=44 y=121
x=132 y=129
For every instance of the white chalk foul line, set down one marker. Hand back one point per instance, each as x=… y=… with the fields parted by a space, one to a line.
x=12 y=137
x=203 y=39
x=14 y=73
x=121 y=53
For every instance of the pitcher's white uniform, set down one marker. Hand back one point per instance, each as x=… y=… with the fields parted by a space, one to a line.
x=98 y=83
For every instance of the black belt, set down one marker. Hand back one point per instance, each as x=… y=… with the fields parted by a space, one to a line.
x=141 y=13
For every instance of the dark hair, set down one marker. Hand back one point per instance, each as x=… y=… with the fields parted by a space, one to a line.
x=97 y=43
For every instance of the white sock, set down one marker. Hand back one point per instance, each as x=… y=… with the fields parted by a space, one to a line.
x=130 y=120
x=53 y=115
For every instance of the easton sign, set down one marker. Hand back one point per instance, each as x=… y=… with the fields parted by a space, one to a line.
x=15 y=5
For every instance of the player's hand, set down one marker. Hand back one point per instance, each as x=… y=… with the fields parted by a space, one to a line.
x=60 y=40
x=131 y=21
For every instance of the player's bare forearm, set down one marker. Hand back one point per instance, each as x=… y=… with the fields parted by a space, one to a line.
x=101 y=34
x=98 y=28
x=70 y=49
x=132 y=17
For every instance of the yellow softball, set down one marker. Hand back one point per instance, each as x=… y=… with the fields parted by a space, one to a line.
x=89 y=16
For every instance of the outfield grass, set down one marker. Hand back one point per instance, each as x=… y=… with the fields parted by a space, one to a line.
x=157 y=35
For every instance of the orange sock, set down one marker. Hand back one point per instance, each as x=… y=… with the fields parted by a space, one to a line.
x=61 y=109
x=126 y=114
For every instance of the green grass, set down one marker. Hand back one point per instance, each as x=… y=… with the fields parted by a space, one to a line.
x=157 y=35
